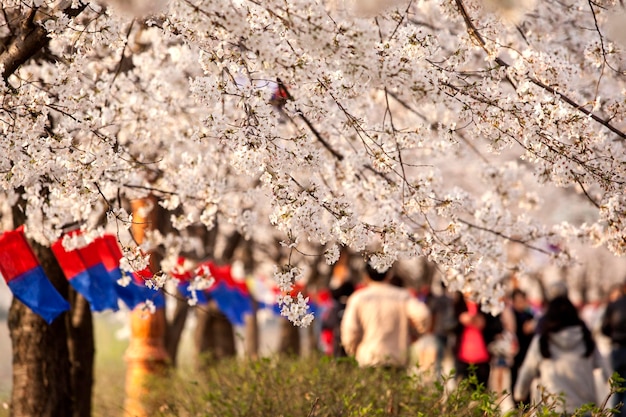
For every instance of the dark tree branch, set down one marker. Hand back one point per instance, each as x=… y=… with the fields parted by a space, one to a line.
x=473 y=31
x=505 y=237
x=30 y=39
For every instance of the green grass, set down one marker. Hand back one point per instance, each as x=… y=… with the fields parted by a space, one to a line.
x=288 y=387
x=109 y=368
x=303 y=387
x=322 y=387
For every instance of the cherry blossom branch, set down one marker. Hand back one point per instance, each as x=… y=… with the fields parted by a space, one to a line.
x=152 y=189
x=505 y=237
x=32 y=37
x=456 y=131
x=582 y=187
x=306 y=121
x=602 y=47
x=319 y=137
x=550 y=143
x=120 y=63
x=473 y=31
x=23 y=46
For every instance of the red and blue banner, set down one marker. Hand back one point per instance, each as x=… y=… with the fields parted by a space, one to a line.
x=26 y=278
x=85 y=271
x=232 y=297
x=136 y=292
x=185 y=278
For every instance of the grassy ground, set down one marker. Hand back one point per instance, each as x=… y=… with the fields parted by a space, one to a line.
x=109 y=367
x=285 y=387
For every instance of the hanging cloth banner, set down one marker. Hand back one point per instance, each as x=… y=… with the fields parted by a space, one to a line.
x=85 y=271
x=185 y=279
x=136 y=292
x=231 y=297
x=26 y=278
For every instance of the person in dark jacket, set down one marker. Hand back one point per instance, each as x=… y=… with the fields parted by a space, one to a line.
x=332 y=318
x=524 y=331
x=563 y=356
x=475 y=330
x=614 y=326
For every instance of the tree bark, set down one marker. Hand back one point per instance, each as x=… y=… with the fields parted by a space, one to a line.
x=175 y=329
x=176 y=325
x=42 y=385
x=214 y=336
x=81 y=353
x=30 y=40
x=289 y=338
x=146 y=356
x=28 y=37
x=251 y=339
x=52 y=364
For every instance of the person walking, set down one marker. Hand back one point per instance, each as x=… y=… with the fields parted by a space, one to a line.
x=443 y=323
x=524 y=331
x=475 y=330
x=331 y=319
x=378 y=320
x=614 y=326
x=563 y=357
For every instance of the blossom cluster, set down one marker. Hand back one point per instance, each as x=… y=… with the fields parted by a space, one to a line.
x=442 y=129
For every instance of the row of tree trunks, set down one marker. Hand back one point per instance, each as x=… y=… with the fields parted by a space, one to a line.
x=52 y=363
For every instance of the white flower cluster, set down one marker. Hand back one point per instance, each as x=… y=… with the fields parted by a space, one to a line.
x=199 y=283
x=157 y=281
x=147 y=308
x=434 y=129
x=73 y=241
x=285 y=278
x=134 y=260
x=295 y=309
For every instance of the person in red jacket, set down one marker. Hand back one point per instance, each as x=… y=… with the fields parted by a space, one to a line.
x=475 y=330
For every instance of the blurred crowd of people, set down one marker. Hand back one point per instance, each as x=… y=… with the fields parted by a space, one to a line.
x=529 y=352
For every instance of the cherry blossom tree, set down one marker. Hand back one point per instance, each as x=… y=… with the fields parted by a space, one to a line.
x=446 y=129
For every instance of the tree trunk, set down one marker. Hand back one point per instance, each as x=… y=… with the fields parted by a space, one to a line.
x=177 y=323
x=175 y=328
x=146 y=356
x=251 y=339
x=289 y=338
x=214 y=336
x=42 y=385
x=81 y=353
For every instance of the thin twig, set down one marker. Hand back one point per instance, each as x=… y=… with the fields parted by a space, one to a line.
x=506 y=237
x=582 y=187
x=313 y=406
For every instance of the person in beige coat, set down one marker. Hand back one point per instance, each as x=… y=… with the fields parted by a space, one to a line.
x=377 y=322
